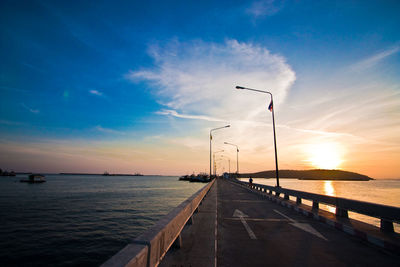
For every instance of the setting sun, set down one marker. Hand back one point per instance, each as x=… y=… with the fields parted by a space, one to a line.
x=325 y=156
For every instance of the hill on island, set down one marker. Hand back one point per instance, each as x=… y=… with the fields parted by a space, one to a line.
x=318 y=174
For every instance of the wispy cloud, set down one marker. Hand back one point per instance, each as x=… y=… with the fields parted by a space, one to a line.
x=200 y=77
x=34 y=111
x=187 y=116
x=96 y=92
x=374 y=59
x=108 y=130
x=264 y=8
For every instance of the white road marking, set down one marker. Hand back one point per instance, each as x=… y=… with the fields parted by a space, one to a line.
x=241 y=216
x=287 y=217
x=303 y=226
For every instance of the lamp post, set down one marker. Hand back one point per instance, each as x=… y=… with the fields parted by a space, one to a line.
x=271 y=108
x=229 y=163
x=237 y=156
x=217 y=161
x=214 y=159
x=226 y=126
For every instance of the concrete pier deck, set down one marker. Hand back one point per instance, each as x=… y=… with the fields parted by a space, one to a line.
x=237 y=227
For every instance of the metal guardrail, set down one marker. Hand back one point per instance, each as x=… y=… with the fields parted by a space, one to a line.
x=387 y=214
x=150 y=247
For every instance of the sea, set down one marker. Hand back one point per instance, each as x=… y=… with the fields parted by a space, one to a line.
x=82 y=220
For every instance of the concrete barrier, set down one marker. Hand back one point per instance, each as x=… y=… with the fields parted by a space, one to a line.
x=150 y=247
x=387 y=214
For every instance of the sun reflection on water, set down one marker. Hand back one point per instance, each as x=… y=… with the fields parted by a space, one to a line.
x=329 y=190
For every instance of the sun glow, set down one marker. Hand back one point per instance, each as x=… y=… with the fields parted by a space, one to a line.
x=325 y=156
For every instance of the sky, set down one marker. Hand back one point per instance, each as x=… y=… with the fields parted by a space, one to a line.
x=136 y=86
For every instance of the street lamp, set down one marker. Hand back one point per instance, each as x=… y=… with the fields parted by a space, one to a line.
x=271 y=108
x=237 y=156
x=229 y=162
x=214 y=158
x=217 y=161
x=226 y=126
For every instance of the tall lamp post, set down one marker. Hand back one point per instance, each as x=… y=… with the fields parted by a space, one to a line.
x=226 y=126
x=237 y=156
x=219 y=151
x=229 y=162
x=217 y=161
x=271 y=108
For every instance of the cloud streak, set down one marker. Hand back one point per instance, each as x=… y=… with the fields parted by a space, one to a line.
x=96 y=92
x=374 y=59
x=31 y=110
x=173 y=113
x=101 y=129
x=264 y=8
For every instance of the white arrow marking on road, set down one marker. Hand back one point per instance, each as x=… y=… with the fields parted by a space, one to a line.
x=241 y=215
x=303 y=226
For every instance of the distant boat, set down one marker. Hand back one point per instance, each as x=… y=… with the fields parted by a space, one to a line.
x=6 y=173
x=201 y=177
x=34 y=178
x=184 y=178
x=137 y=174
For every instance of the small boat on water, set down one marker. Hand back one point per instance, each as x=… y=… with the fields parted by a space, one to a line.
x=184 y=178
x=202 y=178
x=34 y=178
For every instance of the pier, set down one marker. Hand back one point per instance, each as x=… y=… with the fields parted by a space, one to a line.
x=228 y=223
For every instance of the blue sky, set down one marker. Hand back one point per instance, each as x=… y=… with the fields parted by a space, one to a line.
x=135 y=86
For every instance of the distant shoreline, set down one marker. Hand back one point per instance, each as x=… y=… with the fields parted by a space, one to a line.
x=318 y=174
x=102 y=174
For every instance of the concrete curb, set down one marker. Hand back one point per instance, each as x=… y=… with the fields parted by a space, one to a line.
x=362 y=235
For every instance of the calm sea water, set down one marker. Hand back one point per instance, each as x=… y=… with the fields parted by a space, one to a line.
x=385 y=192
x=76 y=220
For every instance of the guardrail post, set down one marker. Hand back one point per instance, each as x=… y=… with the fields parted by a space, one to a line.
x=315 y=205
x=298 y=200
x=342 y=212
x=387 y=226
x=286 y=197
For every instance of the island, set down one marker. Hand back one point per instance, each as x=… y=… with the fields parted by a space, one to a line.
x=316 y=174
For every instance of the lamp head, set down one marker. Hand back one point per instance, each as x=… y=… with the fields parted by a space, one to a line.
x=240 y=87
x=227 y=126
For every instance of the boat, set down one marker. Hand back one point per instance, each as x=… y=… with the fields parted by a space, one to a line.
x=184 y=178
x=200 y=178
x=137 y=174
x=34 y=178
